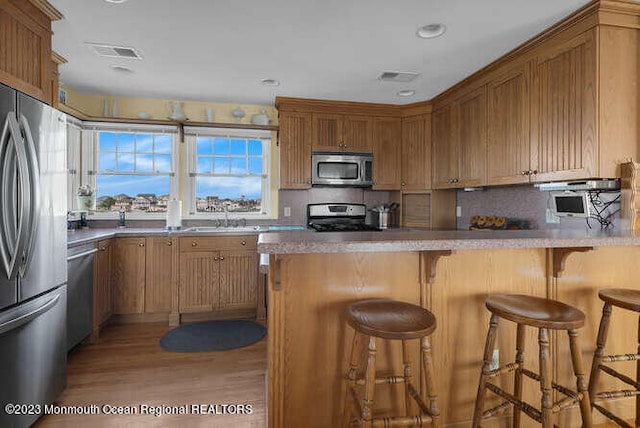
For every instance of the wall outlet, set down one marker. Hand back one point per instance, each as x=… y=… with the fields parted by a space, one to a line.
x=495 y=360
x=551 y=217
x=287 y=211
x=458 y=211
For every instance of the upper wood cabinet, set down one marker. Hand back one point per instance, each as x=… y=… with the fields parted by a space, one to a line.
x=128 y=267
x=294 y=136
x=416 y=153
x=337 y=132
x=387 y=152
x=509 y=153
x=25 y=47
x=445 y=160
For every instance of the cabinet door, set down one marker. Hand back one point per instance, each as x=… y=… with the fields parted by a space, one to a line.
x=508 y=158
x=161 y=274
x=294 y=134
x=472 y=139
x=129 y=275
x=327 y=131
x=564 y=119
x=199 y=283
x=416 y=153
x=357 y=134
x=238 y=280
x=387 y=151
x=102 y=304
x=445 y=162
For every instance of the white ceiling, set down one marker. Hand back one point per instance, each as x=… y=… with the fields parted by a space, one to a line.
x=218 y=51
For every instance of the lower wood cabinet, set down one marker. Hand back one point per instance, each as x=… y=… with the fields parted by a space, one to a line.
x=128 y=270
x=161 y=274
x=102 y=302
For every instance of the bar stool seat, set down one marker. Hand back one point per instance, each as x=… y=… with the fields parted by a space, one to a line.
x=545 y=315
x=623 y=298
x=390 y=320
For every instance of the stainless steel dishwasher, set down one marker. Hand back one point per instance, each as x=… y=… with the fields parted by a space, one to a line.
x=80 y=260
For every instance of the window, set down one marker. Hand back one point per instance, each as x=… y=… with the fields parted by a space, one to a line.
x=134 y=168
x=228 y=170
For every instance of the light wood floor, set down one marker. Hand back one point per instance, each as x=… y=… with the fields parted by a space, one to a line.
x=127 y=367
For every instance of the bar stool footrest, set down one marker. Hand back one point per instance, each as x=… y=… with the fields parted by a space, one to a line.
x=621 y=357
x=386 y=380
x=562 y=389
x=507 y=368
x=497 y=410
x=624 y=378
x=401 y=421
x=606 y=395
x=611 y=416
x=530 y=411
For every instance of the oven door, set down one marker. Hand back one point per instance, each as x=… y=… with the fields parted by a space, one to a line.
x=341 y=170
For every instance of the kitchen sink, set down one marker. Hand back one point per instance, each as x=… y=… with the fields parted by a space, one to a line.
x=213 y=229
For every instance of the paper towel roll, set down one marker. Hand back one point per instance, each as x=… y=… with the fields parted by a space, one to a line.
x=174 y=213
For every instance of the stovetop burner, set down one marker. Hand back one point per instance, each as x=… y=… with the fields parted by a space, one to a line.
x=338 y=217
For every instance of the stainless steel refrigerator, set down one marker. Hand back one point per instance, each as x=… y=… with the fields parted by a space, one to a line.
x=33 y=254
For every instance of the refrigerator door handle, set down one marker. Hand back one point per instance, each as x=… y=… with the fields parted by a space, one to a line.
x=24 y=318
x=11 y=252
x=31 y=214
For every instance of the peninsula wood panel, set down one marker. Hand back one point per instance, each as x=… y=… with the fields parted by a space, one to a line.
x=128 y=264
x=161 y=274
x=357 y=133
x=294 y=135
x=238 y=280
x=309 y=340
x=199 y=282
x=387 y=153
x=102 y=301
x=445 y=162
x=416 y=153
x=327 y=131
x=585 y=273
x=508 y=116
x=472 y=139
x=564 y=137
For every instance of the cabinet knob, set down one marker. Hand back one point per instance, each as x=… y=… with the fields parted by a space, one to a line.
x=243 y=242
x=141 y=244
x=169 y=243
x=221 y=258
x=215 y=259
x=309 y=181
x=402 y=183
x=535 y=171
x=455 y=180
x=194 y=244
x=102 y=249
x=524 y=172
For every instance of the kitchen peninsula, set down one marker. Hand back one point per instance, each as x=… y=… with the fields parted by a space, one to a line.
x=313 y=277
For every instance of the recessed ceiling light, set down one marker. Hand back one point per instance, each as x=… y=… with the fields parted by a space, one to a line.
x=270 y=82
x=121 y=69
x=406 y=93
x=115 y=1
x=431 y=31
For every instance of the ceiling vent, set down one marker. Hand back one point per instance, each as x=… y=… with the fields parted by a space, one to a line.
x=397 y=76
x=115 y=51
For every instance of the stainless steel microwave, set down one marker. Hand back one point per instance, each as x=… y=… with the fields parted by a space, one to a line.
x=342 y=169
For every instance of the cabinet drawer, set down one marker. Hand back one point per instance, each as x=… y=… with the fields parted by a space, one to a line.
x=204 y=243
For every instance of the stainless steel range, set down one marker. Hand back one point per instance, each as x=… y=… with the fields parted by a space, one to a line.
x=338 y=217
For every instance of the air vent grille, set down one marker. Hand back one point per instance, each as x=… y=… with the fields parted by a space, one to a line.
x=398 y=76
x=115 y=51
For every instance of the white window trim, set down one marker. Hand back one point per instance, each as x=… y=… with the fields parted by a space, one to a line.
x=190 y=135
x=90 y=161
x=74 y=173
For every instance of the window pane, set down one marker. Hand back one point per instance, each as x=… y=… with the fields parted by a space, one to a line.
x=144 y=163
x=126 y=143
x=163 y=144
x=244 y=194
x=144 y=143
x=221 y=146
x=255 y=165
x=107 y=162
x=163 y=163
x=125 y=163
x=238 y=147
x=205 y=146
x=255 y=147
x=133 y=193
x=221 y=165
x=205 y=164
x=107 y=141
x=238 y=165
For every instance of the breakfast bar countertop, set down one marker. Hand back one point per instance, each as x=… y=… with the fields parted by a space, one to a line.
x=399 y=240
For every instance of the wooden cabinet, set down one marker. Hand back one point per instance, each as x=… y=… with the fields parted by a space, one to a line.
x=459 y=141
x=508 y=147
x=161 y=274
x=387 y=153
x=416 y=153
x=337 y=132
x=294 y=136
x=102 y=302
x=128 y=267
x=218 y=274
x=25 y=47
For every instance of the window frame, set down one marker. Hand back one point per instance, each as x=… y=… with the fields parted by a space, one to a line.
x=191 y=135
x=90 y=155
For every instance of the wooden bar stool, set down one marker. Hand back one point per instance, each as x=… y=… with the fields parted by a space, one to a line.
x=625 y=299
x=391 y=320
x=545 y=315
